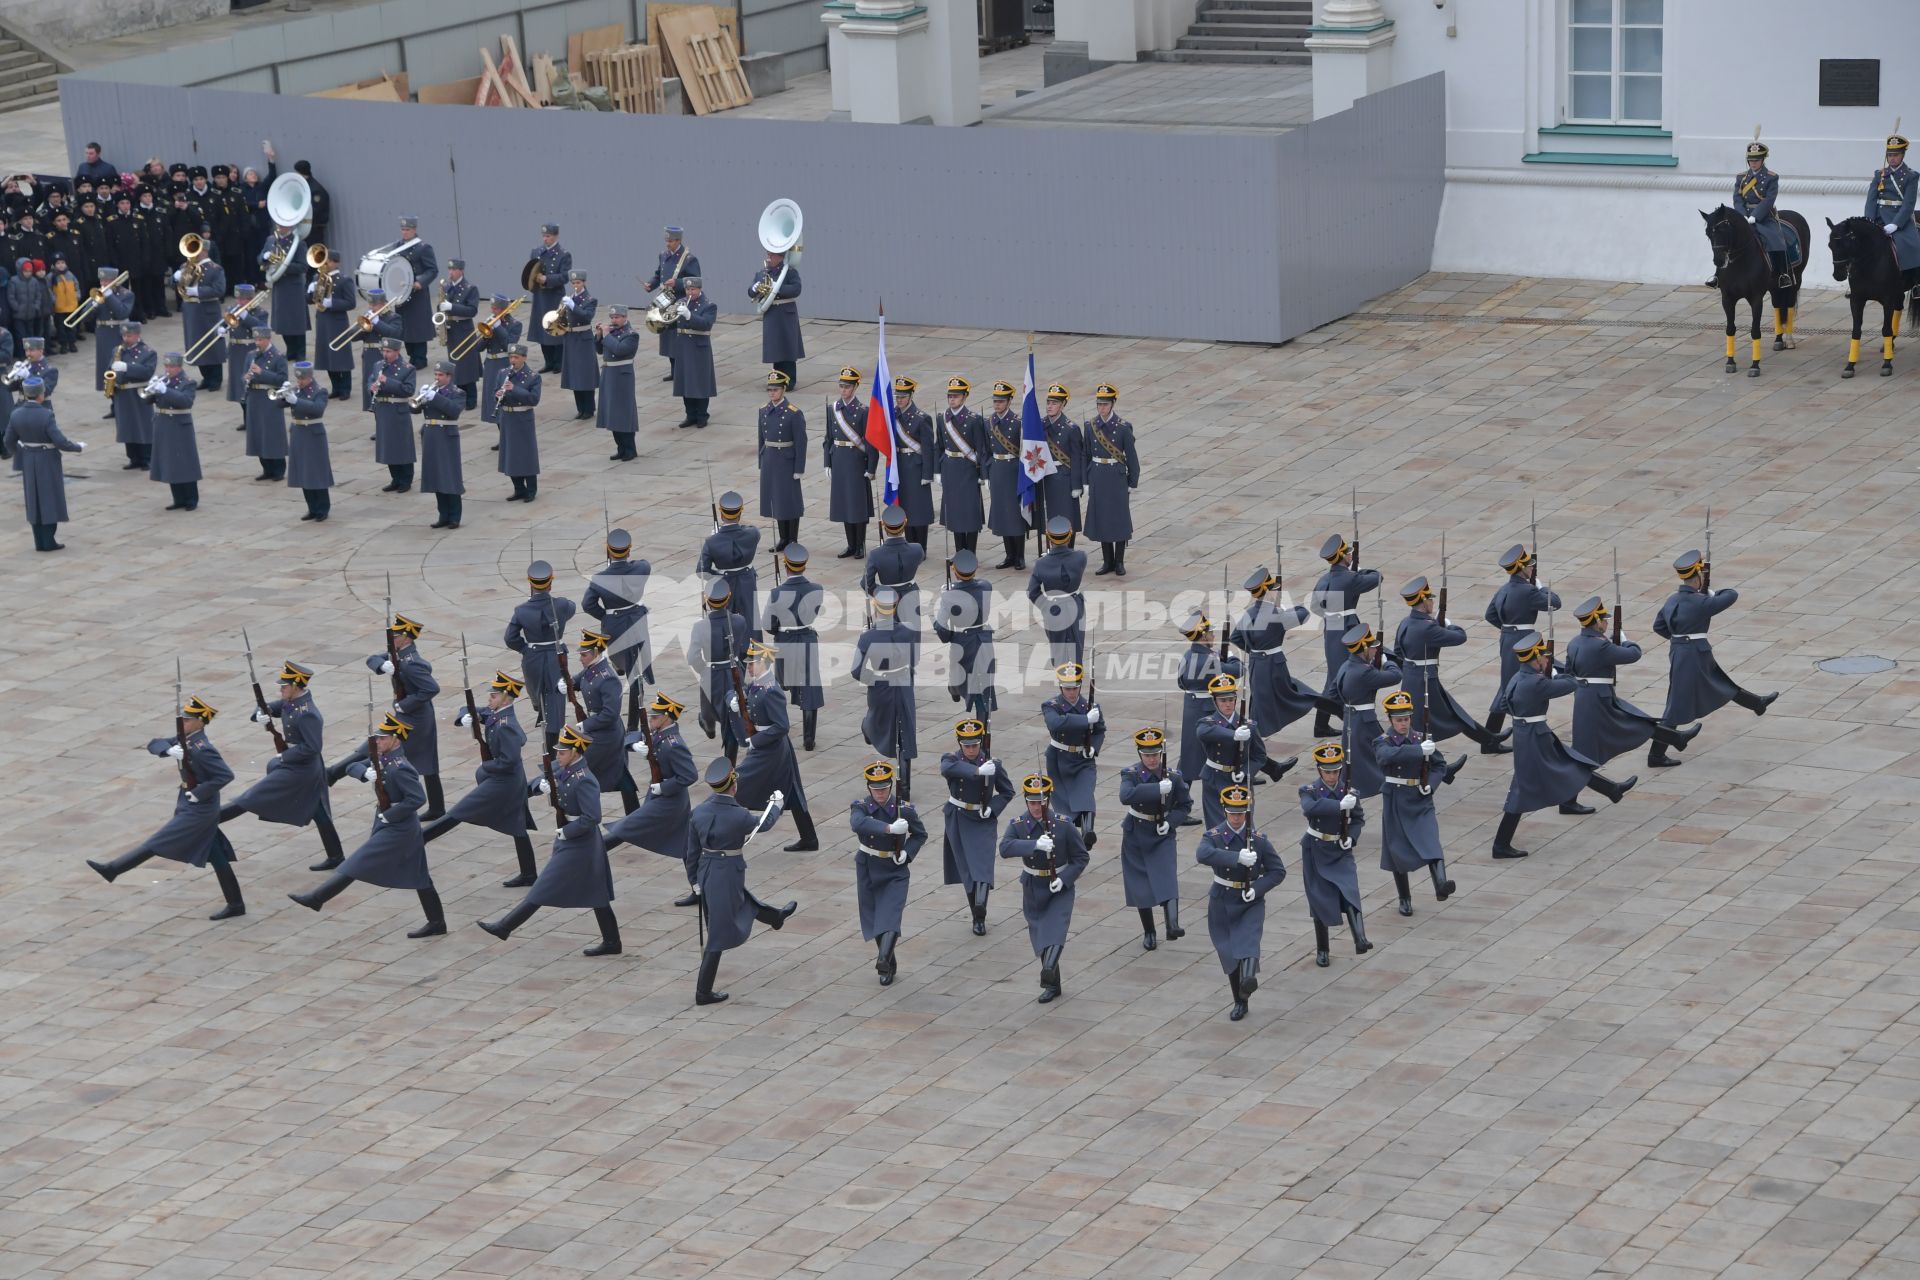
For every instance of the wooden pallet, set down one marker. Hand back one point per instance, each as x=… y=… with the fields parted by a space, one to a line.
x=631 y=76
x=581 y=43
x=726 y=17
x=710 y=73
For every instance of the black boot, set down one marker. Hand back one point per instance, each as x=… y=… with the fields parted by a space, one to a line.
x=1451 y=771
x=523 y=850
x=434 y=830
x=230 y=890
x=1495 y=743
x=691 y=898
x=1613 y=791
x=338 y=769
x=1049 y=975
x=1150 y=940
x=1172 y=909
x=609 y=944
x=228 y=812
x=1321 y=945
x=1574 y=809
x=436 y=798
x=1277 y=769
x=1754 y=702
x=977 y=895
x=629 y=795
x=329 y=845
x=1106 y=560
x=1405 y=891
x=436 y=919
x=1442 y=887
x=1358 y=925
x=1248 y=969
x=809 y=840
x=126 y=862
x=1087 y=836
x=516 y=916
x=774 y=917
x=886 y=966
x=1119 y=559
x=329 y=889
x=703 y=992
x=1322 y=725
x=1503 y=838
x=1239 y=999
x=809 y=720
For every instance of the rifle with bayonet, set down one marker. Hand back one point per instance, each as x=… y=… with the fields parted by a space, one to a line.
x=373 y=756
x=1444 y=615
x=259 y=696
x=1353 y=498
x=473 y=712
x=393 y=648
x=187 y=780
x=1616 y=595
x=1706 y=567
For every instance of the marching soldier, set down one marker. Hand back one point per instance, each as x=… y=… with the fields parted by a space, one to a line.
x=1234 y=749
x=1334 y=820
x=850 y=464
x=1409 y=827
x=720 y=829
x=498 y=798
x=1108 y=443
x=1890 y=203
x=193 y=834
x=394 y=856
x=577 y=873
x=460 y=303
x=1277 y=699
x=1515 y=608
x=619 y=409
x=134 y=363
x=579 y=371
x=1246 y=868
x=1544 y=772
x=536 y=631
x=309 y=460
x=1606 y=725
x=1335 y=598
x=1051 y=860
x=1004 y=516
x=294 y=791
x=503 y=334
x=888 y=835
x=204 y=309
x=287 y=307
x=1156 y=799
x=693 y=377
x=1198 y=666
x=1060 y=492
x=266 y=411
x=782 y=459
x=729 y=552
x=780 y=343
x=600 y=690
x=515 y=398
x=883 y=661
x=440 y=471
x=241 y=329
x=549 y=282
x=1420 y=638
x=614 y=599
x=962 y=619
x=675 y=264
x=372 y=334
x=963 y=467
x=176 y=452
x=917 y=460
x=416 y=309
x=895 y=563
x=718 y=643
x=414 y=690
x=1696 y=686
x=1358 y=683
x=978 y=789
x=392 y=387
x=35 y=441
x=109 y=319
x=769 y=764
x=659 y=825
x=793 y=607
x=1055 y=587
x=1075 y=733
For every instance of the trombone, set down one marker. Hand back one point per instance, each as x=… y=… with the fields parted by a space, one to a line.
x=353 y=332
x=95 y=296
x=221 y=330
x=482 y=330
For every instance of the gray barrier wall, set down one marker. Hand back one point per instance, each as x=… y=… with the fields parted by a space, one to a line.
x=1234 y=237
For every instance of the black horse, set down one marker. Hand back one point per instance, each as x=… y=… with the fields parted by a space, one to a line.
x=1746 y=273
x=1863 y=257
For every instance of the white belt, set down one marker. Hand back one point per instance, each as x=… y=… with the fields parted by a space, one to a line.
x=615 y=364
x=1200 y=697
x=173 y=413
x=878 y=853
x=1040 y=875
x=1421 y=662
x=32 y=444
x=1221 y=768
x=1147 y=817
x=1064 y=746
x=1106 y=462
x=900 y=586
x=625 y=608
x=1059 y=595
x=1329 y=837
x=542 y=644
x=1279 y=648
x=1892 y=202
x=1594 y=679
x=962 y=804
x=1529 y=719
x=298 y=418
x=1401 y=782
x=1696 y=635
x=1340 y=613
x=1359 y=706
x=392 y=399
x=1225 y=883
x=109 y=324
x=776 y=444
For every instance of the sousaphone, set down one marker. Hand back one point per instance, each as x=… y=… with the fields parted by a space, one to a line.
x=780 y=228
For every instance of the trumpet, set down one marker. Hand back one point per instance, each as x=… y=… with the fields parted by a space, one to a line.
x=482 y=330
x=353 y=331
x=221 y=330
x=420 y=397
x=109 y=382
x=95 y=296
x=284 y=391
x=555 y=322
x=16 y=374
x=154 y=386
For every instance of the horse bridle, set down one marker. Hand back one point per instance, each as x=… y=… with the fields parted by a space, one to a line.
x=1842 y=267
x=1727 y=222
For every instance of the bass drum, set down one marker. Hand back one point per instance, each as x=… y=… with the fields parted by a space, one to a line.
x=388 y=271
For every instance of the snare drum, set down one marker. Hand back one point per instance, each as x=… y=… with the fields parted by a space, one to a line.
x=386 y=269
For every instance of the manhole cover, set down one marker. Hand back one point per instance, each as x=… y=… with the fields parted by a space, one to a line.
x=1859 y=664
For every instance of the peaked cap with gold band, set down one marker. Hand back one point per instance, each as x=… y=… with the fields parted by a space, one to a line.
x=294 y=673
x=1150 y=741
x=1690 y=564
x=594 y=641
x=392 y=726
x=507 y=684
x=1036 y=786
x=199 y=710
x=572 y=738
x=1223 y=686
x=1329 y=755
x=1593 y=609
x=1236 y=798
x=662 y=705
x=970 y=730
x=1399 y=703
x=402 y=625
x=1529 y=646
x=878 y=774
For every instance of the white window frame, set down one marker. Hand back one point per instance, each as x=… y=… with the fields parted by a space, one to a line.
x=1616 y=74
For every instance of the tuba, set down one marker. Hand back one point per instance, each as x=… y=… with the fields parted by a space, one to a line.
x=780 y=227
x=289 y=205
x=555 y=322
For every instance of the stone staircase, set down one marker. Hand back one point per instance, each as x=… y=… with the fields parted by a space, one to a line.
x=27 y=76
x=1246 y=32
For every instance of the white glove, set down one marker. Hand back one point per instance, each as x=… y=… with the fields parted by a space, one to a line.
x=1446 y=622
x=900 y=858
x=1239 y=775
x=1166 y=787
x=733 y=702
x=176 y=276
x=1750 y=221
x=191 y=798
x=987 y=769
x=540 y=787
x=1427 y=747
x=80 y=445
x=174 y=752
x=567 y=302
x=1243 y=733
x=897 y=827
x=119 y=366
x=369 y=777
x=1348 y=801
x=1056 y=884
x=1044 y=844
x=267 y=725
x=1247 y=894
x=1248 y=857
x=1887 y=229
x=560 y=686
x=1093 y=715
x=460 y=721
x=778 y=800
x=386 y=667
x=1161 y=828
x=639 y=749
x=653 y=788
x=1078 y=492
x=261 y=716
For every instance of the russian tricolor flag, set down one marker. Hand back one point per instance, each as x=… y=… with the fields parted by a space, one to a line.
x=882 y=430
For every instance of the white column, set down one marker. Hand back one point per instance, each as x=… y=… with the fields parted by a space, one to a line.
x=833 y=13
x=953 y=69
x=1159 y=24
x=1351 y=43
x=1106 y=27
x=887 y=58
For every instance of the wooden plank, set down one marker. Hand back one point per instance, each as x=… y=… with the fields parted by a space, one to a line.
x=631 y=77
x=513 y=74
x=381 y=89
x=543 y=78
x=453 y=92
x=611 y=36
x=576 y=56
x=724 y=17
x=494 y=84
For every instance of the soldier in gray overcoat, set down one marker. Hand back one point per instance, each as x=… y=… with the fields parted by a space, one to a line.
x=693 y=377
x=498 y=798
x=1334 y=821
x=193 y=834
x=1246 y=868
x=1076 y=730
x=503 y=335
x=659 y=825
x=850 y=465
x=133 y=366
x=293 y=792
x=769 y=763
x=1890 y=201
x=1051 y=860
x=1696 y=686
x=36 y=443
x=780 y=343
x=618 y=410
x=414 y=690
x=309 y=460
x=782 y=457
x=888 y=834
x=599 y=688
x=715 y=651
x=553 y=263
x=440 y=470
x=720 y=829
x=392 y=388
x=393 y=856
x=917 y=457
x=109 y=318
x=371 y=335
x=1514 y=609
x=1357 y=684
x=1545 y=773
x=265 y=374
x=579 y=369
x=1156 y=798
x=332 y=312
x=1335 y=598
x=1605 y=724
x=964 y=455
x=1059 y=493
x=1055 y=587
x=1004 y=516
x=515 y=397
x=729 y=552
x=242 y=324
x=1418 y=640
x=883 y=661
x=460 y=303
x=615 y=599
x=1112 y=474
x=1261 y=633
x=287 y=307
x=577 y=873
x=416 y=309
x=536 y=631
x=1198 y=666
x=963 y=620
x=1234 y=750
x=203 y=310
x=978 y=789
x=1409 y=828
x=1754 y=192
x=675 y=265
x=793 y=607
x=176 y=452
x=894 y=563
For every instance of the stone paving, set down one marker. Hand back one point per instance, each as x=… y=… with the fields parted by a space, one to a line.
x=1676 y=1042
